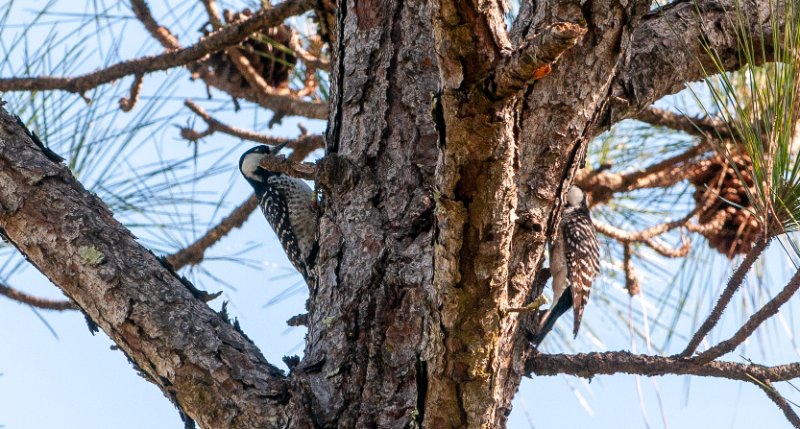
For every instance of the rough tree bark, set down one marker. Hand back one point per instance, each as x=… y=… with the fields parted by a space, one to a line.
x=448 y=148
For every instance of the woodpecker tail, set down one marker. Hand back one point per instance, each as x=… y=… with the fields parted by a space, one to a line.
x=562 y=306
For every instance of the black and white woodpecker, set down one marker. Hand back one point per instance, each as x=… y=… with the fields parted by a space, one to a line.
x=574 y=263
x=289 y=206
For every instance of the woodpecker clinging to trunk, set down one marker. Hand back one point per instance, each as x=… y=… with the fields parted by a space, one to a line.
x=288 y=205
x=574 y=263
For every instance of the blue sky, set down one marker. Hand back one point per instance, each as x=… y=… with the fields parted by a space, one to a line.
x=69 y=379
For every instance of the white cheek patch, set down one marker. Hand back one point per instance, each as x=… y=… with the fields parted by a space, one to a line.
x=250 y=166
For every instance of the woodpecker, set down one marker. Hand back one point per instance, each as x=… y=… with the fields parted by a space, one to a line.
x=288 y=205
x=574 y=263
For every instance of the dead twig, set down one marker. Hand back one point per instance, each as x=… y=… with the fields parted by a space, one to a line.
x=304 y=141
x=127 y=103
x=768 y=310
x=160 y=33
x=193 y=254
x=34 y=301
x=773 y=394
x=588 y=365
x=219 y=40
x=736 y=280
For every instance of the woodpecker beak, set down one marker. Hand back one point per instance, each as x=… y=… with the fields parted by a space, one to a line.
x=278 y=148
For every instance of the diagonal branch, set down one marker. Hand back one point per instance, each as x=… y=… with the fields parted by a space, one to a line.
x=768 y=310
x=35 y=301
x=160 y=33
x=213 y=373
x=217 y=41
x=733 y=285
x=602 y=184
x=773 y=394
x=194 y=253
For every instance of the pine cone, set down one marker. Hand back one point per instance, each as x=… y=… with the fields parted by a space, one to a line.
x=266 y=51
x=722 y=190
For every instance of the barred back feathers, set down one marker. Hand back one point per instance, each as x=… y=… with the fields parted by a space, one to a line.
x=287 y=203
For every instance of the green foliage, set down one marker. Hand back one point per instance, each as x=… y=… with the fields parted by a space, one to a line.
x=761 y=106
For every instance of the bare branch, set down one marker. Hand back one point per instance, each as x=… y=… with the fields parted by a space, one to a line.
x=250 y=74
x=602 y=184
x=664 y=250
x=736 y=280
x=779 y=400
x=647 y=236
x=160 y=33
x=280 y=103
x=768 y=310
x=588 y=365
x=193 y=254
x=307 y=57
x=701 y=127
x=214 y=125
x=643 y=235
x=35 y=301
x=228 y=36
x=533 y=59
x=631 y=279
x=214 y=16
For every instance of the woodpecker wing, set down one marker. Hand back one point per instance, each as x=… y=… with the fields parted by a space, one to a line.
x=286 y=204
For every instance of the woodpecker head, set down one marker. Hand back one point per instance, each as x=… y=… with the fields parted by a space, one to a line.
x=250 y=164
x=576 y=198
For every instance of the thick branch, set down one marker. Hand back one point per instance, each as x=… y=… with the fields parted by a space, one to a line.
x=733 y=285
x=228 y=36
x=215 y=374
x=35 y=301
x=677 y=38
x=533 y=59
x=588 y=365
